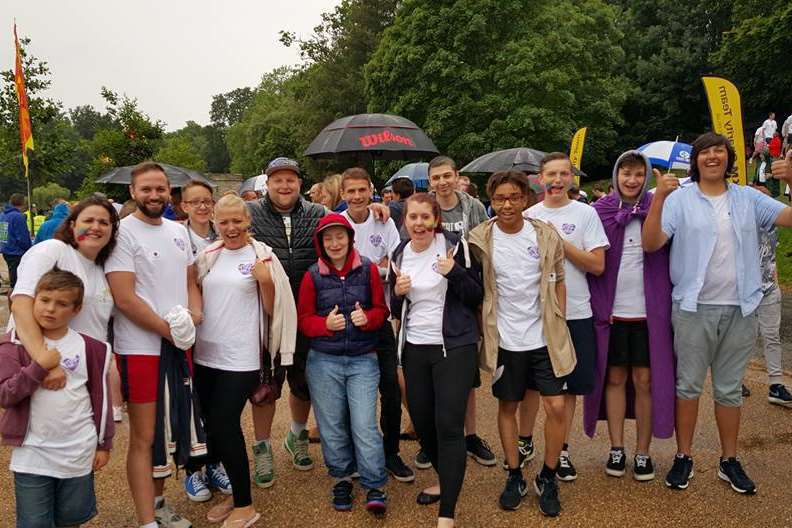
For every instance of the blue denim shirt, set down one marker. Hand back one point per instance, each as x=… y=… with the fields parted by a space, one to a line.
x=689 y=219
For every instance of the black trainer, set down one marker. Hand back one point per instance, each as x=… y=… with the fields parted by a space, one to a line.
x=513 y=492
x=376 y=502
x=547 y=490
x=566 y=471
x=398 y=469
x=422 y=460
x=681 y=472
x=616 y=463
x=643 y=469
x=479 y=450
x=526 y=452
x=732 y=472
x=745 y=391
x=779 y=395
x=342 y=495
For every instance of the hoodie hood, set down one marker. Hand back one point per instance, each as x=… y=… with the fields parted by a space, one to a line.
x=10 y=209
x=615 y=177
x=61 y=211
x=328 y=221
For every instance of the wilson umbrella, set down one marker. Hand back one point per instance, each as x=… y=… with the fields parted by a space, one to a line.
x=177 y=176
x=668 y=154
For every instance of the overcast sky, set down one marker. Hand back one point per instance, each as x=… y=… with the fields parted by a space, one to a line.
x=172 y=55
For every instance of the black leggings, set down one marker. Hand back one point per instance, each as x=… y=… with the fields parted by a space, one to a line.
x=437 y=394
x=223 y=395
x=390 y=393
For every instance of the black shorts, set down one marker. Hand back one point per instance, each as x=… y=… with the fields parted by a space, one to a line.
x=295 y=373
x=629 y=344
x=581 y=380
x=521 y=371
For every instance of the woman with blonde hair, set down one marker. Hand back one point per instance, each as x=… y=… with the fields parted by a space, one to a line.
x=238 y=277
x=332 y=188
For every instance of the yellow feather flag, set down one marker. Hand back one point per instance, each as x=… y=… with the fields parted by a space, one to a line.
x=576 y=150
x=724 y=104
x=25 y=130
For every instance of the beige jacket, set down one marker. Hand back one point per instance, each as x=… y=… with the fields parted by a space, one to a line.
x=551 y=264
x=281 y=332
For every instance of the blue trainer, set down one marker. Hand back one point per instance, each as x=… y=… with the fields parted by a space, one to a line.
x=218 y=479
x=196 y=487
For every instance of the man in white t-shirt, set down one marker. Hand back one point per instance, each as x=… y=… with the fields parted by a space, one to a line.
x=148 y=276
x=376 y=241
x=769 y=127
x=585 y=243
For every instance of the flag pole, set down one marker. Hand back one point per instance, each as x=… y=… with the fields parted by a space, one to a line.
x=30 y=203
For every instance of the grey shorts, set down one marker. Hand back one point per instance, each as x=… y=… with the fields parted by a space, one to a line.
x=716 y=338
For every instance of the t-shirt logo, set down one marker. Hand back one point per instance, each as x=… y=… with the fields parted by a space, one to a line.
x=245 y=269
x=568 y=228
x=533 y=252
x=71 y=363
x=375 y=239
x=434 y=267
x=180 y=243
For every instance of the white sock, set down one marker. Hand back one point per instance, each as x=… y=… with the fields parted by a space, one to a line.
x=152 y=524
x=297 y=428
x=159 y=502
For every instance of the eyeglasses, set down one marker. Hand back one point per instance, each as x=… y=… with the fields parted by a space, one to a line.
x=201 y=203
x=512 y=198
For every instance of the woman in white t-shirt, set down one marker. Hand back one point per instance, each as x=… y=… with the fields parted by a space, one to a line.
x=435 y=291
x=81 y=245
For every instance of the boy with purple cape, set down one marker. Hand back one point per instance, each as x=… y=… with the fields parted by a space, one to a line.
x=634 y=372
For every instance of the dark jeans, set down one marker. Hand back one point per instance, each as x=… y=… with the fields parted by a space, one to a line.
x=390 y=394
x=12 y=261
x=223 y=395
x=437 y=392
x=44 y=502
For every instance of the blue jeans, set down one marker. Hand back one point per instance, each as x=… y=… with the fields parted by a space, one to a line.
x=47 y=502
x=344 y=398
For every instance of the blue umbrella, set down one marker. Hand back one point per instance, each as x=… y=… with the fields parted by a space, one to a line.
x=417 y=172
x=668 y=154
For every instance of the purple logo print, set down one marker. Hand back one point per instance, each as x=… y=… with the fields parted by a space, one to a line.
x=375 y=239
x=533 y=252
x=434 y=267
x=245 y=269
x=180 y=243
x=71 y=363
x=568 y=228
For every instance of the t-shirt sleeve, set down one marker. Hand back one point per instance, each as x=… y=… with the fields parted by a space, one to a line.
x=669 y=220
x=767 y=209
x=123 y=256
x=37 y=261
x=186 y=237
x=595 y=236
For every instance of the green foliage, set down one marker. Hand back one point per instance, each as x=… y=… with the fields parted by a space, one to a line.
x=44 y=195
x=179 y=150
x=227 y=108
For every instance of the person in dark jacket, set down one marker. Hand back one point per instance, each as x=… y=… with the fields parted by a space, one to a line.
x=401 y=189
x=14 y=235
x=434 y=273
x=48 y=228
x=341 y=309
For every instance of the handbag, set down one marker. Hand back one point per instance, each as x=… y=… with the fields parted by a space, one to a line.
x=268 y=390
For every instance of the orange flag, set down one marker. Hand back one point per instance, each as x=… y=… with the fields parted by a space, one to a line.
x=25 y=131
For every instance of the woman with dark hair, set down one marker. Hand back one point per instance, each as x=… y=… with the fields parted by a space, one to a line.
x=436 y=290
x=717 y=287
x=81 y=245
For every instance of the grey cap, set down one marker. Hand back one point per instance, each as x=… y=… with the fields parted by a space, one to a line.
x=283 y=164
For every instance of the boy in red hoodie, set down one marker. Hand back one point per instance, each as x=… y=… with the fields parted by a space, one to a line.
x=60 y=437
x=341 y=307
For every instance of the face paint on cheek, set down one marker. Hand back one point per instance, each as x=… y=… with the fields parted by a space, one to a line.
x=81 y=234
x=548 y=186
x=429 y=224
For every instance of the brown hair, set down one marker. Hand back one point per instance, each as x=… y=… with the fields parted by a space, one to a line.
x=65 y=232
x=404 y=187
x=632 y=159
x=553 y=156
x=355 y=173
x=426 y=198
x=197 y=183
x=439 y=161
x=146 y=166
x=517 y=178
x=705 y=141
x=57 y=279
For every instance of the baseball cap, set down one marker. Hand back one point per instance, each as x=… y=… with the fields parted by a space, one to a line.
x=283 y=163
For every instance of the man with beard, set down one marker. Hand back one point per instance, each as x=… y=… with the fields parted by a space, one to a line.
x=148 y=276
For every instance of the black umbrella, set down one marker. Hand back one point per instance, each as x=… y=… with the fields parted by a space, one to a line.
x=372 y=137
x=522 y=159
x=177 y=176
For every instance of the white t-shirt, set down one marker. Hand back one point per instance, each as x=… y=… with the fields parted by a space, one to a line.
x=630 y=300
x=517 y=275
x=424 y=325
x=61 y=438
x=720 y=280
x=374 y=240
x=197 y=242
x=580 y=225
x=158 y=255
x=769 y=128
x=228 y=338
x=97 y=301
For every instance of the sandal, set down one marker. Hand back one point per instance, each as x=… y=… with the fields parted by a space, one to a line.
x=220 y=511
x=242 y=523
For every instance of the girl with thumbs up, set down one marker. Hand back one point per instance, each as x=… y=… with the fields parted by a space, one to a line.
x=341 y=308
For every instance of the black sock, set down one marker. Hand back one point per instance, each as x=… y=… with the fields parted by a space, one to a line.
x=566 y=447
x=528 y=439
x=515 y=471
x=547 y=473
x=617 y=448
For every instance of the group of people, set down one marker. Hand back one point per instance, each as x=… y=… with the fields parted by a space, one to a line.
x=628 y=303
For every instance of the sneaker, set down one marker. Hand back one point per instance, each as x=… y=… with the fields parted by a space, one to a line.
x=547 y=490
x=479 y=450
x=376 y=502
x=197 y=487
x=167 y=518
x=342 y=495
x=680 y=473
x=526 y=452
x=263 y=468
x=297 y=446
x=643 y=469
x=616 y=463
x=513 y=492
x=398 y=469
x=732 y=472
x=422 y=460
x=779 y=395
x=566 y=471
x=218 y=479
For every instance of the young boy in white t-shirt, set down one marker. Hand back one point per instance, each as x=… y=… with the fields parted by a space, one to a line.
x=60 y=437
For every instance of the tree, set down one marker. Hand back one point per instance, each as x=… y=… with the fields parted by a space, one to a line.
x=179 y=150
x=44 y=195
x=86 y=121
x=227 y=108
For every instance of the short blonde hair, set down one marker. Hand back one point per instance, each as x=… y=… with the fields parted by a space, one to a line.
x=232 y=201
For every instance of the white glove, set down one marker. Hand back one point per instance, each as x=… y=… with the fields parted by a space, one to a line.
x=181 y=327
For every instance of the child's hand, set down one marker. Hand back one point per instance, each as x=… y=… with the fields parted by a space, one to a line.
x=49 y=359
x=358 y=316
x=335 y=321
x=100 y=459
x=55 y=380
